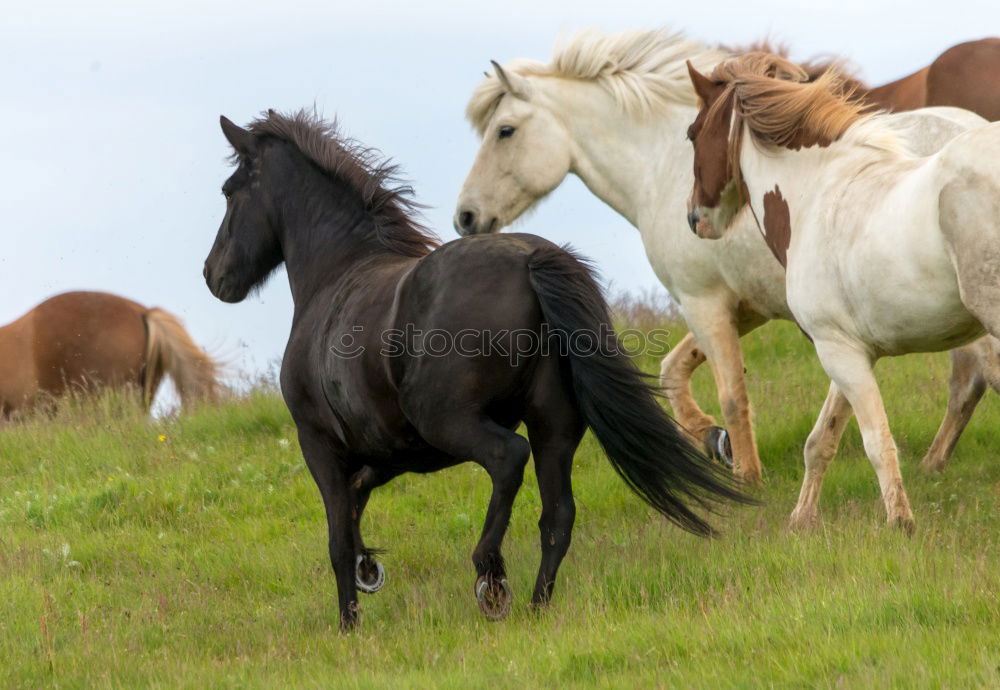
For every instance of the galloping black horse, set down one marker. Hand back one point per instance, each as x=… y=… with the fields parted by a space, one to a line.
x=372 y=400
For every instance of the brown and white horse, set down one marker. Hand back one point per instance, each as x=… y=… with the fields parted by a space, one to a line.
x=966 y=76
x=83 y=340
x=888 y=250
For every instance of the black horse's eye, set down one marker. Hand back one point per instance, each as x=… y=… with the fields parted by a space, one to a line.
x=506 y=131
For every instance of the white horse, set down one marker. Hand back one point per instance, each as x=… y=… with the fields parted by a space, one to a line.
x=613 y=110
x=888 y=252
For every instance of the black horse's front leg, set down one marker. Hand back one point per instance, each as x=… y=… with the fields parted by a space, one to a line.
x=328 y=466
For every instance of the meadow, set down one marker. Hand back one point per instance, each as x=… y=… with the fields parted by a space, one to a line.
x=191 y=552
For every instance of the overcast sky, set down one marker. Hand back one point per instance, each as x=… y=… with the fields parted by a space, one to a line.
x=112 y=157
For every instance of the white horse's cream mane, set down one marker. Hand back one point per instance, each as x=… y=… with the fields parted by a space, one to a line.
x=643 y=70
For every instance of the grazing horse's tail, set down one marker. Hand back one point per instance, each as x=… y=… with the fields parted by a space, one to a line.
x=644 y=444
x=170 y=350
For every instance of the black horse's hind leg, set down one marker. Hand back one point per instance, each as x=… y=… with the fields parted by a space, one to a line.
x=369 y=573
x=327 y=469
x=555 y=428
x=503 y=454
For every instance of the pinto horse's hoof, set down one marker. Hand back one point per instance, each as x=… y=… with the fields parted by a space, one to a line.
x=369 y=575
x=494 y=597
x=718 y=446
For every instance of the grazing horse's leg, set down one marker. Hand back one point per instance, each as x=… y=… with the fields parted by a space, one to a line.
x=327 y=469
x=820 y=448
x=851 y=370
x=554 y=429
x=965 y=389
x=719 y=336
x=503 y=454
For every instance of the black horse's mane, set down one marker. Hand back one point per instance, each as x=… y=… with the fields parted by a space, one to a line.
x=386 y=197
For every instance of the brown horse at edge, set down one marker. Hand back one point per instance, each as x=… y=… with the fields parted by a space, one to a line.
x=88 y=340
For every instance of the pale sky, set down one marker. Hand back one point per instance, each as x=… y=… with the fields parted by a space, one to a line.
x=112 y=158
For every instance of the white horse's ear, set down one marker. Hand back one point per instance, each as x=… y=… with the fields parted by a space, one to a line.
x=514 y=84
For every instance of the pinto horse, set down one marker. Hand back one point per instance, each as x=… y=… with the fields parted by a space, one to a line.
x=887 y=252
x=370 y=404
x=612 y=109
x=82 y=340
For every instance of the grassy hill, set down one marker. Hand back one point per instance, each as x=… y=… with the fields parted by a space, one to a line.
x=191 y=553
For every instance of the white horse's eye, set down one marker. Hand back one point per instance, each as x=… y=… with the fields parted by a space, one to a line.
x=506 y=131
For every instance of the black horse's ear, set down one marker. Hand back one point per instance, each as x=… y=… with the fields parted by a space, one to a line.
x=242 y=140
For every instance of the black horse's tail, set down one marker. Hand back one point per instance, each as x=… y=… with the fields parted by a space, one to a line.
x=644 y=444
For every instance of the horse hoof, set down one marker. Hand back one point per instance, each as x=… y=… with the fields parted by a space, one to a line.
x=718 y=445
x=369 y=575
x=494 y=597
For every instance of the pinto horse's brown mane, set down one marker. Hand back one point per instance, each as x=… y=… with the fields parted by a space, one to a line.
x=780 y=106
x=814 y=67
x=386 y=197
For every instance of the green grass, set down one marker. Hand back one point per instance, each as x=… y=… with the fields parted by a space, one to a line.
x=199 y=560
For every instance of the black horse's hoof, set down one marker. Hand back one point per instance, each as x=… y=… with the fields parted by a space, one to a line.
x=369 y=575
x=718 y=446
x=494 y=597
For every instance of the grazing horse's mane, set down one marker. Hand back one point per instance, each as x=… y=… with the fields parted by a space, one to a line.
x=781 y=107
x=385 y=196
x=641 y=69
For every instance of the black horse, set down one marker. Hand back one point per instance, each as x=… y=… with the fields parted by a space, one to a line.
x=407 y=358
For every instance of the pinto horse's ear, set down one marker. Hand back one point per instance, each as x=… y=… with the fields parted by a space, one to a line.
x=514 y=84
x=706 y=89
x=242 y=140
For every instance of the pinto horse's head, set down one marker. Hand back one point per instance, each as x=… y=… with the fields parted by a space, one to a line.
x=718 y=195
x=525 y=154
x=246 y=248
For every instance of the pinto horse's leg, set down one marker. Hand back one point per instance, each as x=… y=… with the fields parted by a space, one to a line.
x=851 y=370
x=327 y=469
x=503 y=454
x=820 y=448
x=965 y=389
x=717 y=332
x=555 y=428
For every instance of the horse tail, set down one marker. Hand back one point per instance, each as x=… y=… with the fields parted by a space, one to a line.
x=170 y=350
x=644 y=444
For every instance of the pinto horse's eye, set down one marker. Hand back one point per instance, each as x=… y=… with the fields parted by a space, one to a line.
x=506 y=131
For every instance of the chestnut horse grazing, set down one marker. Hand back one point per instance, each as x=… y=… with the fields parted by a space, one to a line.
x=405 y=358
x=887 y=251
x=93 y=339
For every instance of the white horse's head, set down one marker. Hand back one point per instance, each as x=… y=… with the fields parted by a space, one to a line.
x=525 y=154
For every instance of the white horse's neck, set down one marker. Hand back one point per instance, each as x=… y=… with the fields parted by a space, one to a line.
x=634 y=166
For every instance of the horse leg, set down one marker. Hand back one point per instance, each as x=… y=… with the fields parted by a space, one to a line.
x=851 y=370
x=554 y=430
x=675 y=379
x=503 y=454
x=327 y=468
x=369 y=574
x=965 y=389
x=719 y=336
x=821 y=446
